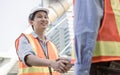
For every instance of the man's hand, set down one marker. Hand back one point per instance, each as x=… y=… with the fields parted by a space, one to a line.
x=58 y=65
x=65 y=63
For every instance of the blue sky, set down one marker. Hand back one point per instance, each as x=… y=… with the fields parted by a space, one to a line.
x=13 y=20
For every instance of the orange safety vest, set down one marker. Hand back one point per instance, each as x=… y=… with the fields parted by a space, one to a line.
x=108 y=40
x=24 y=70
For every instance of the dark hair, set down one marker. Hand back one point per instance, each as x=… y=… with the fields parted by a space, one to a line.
x=32 y=16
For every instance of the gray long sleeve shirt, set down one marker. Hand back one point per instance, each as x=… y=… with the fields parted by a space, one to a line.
x=87 y=17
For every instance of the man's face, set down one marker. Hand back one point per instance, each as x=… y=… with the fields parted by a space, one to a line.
x=40 y=21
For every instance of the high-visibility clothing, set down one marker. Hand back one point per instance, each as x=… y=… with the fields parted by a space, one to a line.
x=25 y=70
x=108 y=40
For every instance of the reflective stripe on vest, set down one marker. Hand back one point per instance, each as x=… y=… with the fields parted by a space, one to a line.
x=38 y=74
x=34 y=70
x=24 y=70
x=73 y=53
x=108 y=41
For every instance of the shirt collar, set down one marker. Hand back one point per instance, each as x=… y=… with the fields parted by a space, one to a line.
x=36 y=36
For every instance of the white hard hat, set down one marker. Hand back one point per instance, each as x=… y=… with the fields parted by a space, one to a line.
x=38 y=9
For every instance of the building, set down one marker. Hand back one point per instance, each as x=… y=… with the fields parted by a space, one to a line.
x=62 y=35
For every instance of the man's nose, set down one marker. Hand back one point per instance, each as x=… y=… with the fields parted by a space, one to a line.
x=44 y=19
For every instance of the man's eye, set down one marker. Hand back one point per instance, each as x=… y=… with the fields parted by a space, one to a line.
x=39 y=16
x=46 y=17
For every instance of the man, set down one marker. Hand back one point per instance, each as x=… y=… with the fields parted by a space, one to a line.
x=106 y=59
x=37 y=54
x=90 y=24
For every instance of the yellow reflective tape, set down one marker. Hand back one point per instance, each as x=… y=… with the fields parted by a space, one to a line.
x=116 y=9
x=34 y=70
x=107 y=48
x=73 y=52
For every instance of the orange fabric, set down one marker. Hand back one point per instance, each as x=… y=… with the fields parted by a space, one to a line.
x=17 y=43
x=38 y=47
x=51 y=49
x=39 y=52
x=105 y=58
x=108 y=32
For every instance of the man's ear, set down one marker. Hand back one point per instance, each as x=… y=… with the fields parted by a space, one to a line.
x=31 y=22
